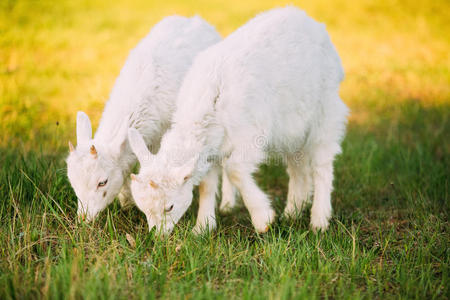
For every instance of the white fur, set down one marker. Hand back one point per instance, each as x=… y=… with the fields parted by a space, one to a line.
x=143 y=97
x=271 y=86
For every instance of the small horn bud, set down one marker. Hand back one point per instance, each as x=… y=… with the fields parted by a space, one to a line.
x=93 y=151
x=153 y=184
x=71 y=148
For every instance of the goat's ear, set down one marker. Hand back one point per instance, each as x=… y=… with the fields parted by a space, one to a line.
x=138 y=146
x=84 y=129
x=184 y=172
x=118 y=144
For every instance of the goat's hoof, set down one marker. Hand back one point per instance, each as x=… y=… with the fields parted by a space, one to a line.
x=264 y=230
x=203 y=228
x=125 y=202
x=289 y=215
x=225 y=209
x=319 y=224
x=263 y=219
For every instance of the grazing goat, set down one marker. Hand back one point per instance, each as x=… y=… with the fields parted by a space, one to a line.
x=271 y=86
x=143 y=97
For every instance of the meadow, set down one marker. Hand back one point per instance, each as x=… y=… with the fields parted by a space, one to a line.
x=389 y=236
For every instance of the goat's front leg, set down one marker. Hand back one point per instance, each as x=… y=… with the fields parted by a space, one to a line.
x=206 y=218
x=125 y=198
x=256 y=201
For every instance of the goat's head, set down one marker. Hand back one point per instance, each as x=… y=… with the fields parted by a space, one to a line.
x=92 y=171
x=163 y=189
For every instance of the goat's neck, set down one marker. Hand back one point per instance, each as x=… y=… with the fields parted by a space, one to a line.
x=200 y=143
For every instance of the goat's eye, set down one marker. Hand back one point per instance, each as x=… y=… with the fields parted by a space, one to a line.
x=169 y=208
x=103 y=183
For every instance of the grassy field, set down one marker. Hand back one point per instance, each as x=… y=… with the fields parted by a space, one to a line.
x=389 y=237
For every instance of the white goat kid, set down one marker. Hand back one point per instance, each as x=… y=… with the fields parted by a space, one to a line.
x=143 y=97
x=270 y=86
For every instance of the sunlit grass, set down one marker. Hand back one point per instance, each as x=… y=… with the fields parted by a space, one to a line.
x=389 y=237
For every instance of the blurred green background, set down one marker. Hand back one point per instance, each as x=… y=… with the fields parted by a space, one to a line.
x=57 y=57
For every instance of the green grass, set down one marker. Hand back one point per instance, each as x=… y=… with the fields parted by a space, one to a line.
x=389 y=237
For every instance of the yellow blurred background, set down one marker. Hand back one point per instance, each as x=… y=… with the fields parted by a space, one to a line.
x=58 y=57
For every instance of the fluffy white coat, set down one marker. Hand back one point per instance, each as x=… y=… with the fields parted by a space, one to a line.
x=143 y=97
x=272 y=86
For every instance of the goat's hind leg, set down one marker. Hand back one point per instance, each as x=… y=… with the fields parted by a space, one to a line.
x=300 y=183
x=322 y=165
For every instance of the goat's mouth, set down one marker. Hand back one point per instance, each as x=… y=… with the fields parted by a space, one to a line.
x=161 y=230
x=86 y=218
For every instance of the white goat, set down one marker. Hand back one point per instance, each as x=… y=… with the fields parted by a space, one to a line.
x=143 y=97
x=271 y=86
